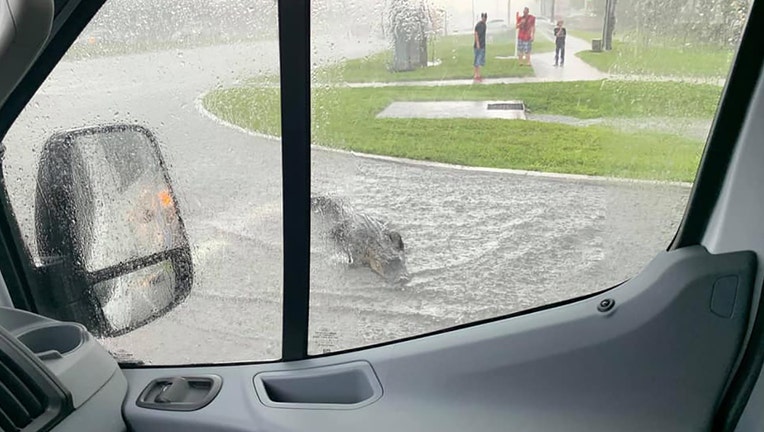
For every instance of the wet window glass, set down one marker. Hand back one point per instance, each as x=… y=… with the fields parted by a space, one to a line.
x=483 y=158
x=157 y=65
x=471 y=159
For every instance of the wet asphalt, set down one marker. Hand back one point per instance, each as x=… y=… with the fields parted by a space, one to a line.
x=479 y=244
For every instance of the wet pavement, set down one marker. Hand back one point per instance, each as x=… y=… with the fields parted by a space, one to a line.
x=479 y=244
x=454 y=109
x=575 y=69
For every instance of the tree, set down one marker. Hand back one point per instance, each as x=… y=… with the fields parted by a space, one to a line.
x=609 y=27
x=408 y=25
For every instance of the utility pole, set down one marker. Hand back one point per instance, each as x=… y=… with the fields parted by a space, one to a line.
x=511 y=23
x=382 y=21
x=509 y=15
x=608 y=25
x=474 y=17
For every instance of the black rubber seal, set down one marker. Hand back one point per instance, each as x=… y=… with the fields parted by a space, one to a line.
x=294 y=53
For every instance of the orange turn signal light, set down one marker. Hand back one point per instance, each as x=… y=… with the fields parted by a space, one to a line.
x=165 y=198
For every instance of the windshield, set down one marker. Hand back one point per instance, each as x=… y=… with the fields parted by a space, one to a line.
x=470 y=159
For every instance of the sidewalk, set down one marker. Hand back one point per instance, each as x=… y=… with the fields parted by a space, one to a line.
x=575 y=69
x=543 y=65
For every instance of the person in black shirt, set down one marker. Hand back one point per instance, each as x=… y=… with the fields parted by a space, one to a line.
x=479 y=45
x=559 y=41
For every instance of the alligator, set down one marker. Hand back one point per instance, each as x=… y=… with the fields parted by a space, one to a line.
x=363 y=239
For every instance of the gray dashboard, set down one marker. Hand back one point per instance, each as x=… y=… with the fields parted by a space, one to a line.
x=60 y=375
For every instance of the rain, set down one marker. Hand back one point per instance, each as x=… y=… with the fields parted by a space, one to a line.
x=480 y=242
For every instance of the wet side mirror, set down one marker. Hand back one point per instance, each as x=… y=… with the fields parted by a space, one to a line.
x=114 y=250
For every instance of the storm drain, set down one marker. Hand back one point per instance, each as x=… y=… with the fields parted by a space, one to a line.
x=517 y=106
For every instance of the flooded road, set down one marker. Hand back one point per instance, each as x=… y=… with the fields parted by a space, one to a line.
x=478 y=244
x=481 y=245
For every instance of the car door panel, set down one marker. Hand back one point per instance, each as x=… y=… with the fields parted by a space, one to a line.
x=657 y=360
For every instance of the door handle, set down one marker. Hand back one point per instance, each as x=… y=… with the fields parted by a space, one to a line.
x=180 y=393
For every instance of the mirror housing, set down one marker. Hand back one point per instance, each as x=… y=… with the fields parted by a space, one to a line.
x=114 y=253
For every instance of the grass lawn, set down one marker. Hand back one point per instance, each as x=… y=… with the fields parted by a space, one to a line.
x=456 y=55
x=667 y=59
x=345 y=118
x=581 y=99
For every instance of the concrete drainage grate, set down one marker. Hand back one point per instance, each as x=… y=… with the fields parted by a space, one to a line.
x=506 y=106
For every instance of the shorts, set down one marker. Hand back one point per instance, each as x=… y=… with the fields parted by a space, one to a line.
x=479 y=57
x=524 y=46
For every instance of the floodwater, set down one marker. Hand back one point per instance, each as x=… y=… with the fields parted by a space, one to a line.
x=480 y=245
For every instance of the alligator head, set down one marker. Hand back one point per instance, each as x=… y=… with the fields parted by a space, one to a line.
x=386 y=257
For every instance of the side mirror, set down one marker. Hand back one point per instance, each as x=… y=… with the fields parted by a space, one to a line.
x=114 y=250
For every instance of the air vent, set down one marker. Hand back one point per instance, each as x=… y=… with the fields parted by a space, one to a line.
x=31 y=398
x=21 y=400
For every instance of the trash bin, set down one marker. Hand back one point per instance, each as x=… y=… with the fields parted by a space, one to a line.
x=597 y=45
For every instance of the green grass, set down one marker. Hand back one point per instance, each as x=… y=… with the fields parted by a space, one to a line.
x=661 y=59
x=581 y=99
x=456 y=55
x=345 y=118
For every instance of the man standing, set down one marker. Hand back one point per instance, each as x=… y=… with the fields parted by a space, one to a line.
x=526 y=31
x=479 y=46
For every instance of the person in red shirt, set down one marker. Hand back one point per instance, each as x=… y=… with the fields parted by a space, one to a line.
x=526 y=32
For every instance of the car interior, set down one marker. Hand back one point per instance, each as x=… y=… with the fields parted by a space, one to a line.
x=677 y=347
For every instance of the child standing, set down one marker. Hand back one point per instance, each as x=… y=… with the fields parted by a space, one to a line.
x=559 y=41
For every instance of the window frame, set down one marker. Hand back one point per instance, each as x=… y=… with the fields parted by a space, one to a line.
x=294 y=53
